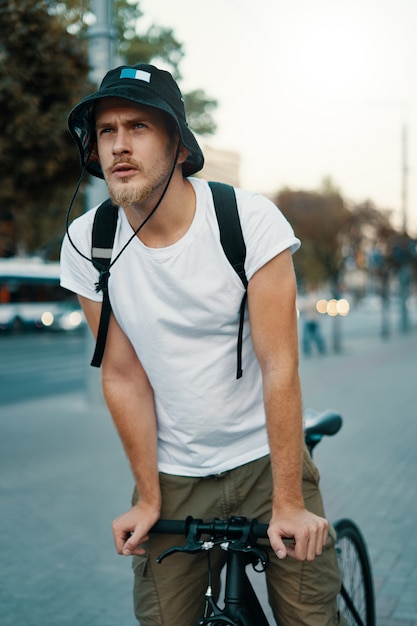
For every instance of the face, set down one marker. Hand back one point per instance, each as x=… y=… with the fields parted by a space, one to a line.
x=135 y=150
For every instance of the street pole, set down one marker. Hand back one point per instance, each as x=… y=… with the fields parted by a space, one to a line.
x=404 y=273
x=404 y=144
x=101 y=37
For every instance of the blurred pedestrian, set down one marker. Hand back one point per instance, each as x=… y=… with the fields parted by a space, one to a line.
x=311 y=334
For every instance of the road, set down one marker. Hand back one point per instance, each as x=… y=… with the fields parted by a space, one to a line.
x=38 y=364
x=64 y=477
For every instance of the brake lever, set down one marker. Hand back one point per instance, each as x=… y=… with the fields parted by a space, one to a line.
x=192 y=545
x=190 y=548
x=260 y=556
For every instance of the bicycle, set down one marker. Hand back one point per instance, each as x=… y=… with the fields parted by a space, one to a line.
x=238 y=536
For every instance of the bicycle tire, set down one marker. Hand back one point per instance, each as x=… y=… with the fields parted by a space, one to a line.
x=356 y=599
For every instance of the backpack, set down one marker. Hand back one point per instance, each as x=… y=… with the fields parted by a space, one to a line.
x=231 y=239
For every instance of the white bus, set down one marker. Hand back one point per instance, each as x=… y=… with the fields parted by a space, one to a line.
x=32 y=298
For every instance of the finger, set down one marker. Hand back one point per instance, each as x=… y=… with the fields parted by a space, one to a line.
x=321 y=538
x=289 y=547
x=281 y=553
x=325 y=534
x=312 y=549
x=120 y=535
x=306 y=543
x=132 y=544
x=279 y=547
x=291 y=550
x=138 y=551
x=119 y=538
x=317 y=540
x=300 y=551
x=315 y=547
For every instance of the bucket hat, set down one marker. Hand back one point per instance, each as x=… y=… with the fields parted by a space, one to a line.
x=142 y=84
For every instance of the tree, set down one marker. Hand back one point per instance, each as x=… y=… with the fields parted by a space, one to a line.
x=43 y=73
x=320 y=220
x=369 y=227
x=40 y=70
x=199 y=108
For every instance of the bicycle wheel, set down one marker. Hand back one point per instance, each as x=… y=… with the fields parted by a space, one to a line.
x=356 y=599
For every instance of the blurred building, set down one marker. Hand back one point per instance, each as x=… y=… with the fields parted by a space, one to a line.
x=221 y=165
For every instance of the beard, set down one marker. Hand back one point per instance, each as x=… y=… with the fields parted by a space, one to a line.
x=127 y=192
x=123 y=194
x=128 y=196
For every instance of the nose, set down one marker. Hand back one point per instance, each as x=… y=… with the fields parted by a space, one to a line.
x=121 y=143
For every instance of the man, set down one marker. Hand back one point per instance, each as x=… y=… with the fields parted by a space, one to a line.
x=199 y=441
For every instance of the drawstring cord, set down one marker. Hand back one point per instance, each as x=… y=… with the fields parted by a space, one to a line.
x=104 y=275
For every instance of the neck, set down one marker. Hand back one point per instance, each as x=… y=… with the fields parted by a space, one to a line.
x=171 y=219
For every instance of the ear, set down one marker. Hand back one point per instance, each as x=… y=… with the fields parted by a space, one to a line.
x=183 y=153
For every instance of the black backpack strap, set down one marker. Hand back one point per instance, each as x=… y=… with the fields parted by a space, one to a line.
x=231 y=236
x=104 y=230
x=233 y=243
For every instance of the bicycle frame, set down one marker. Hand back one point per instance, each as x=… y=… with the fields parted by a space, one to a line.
x=241 y=604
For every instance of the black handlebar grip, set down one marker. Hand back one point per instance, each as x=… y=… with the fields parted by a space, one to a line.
x=259 y=530
x=170 y=527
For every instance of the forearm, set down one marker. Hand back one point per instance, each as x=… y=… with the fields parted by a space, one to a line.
x=129 y=397
x=271 y=299
x=283 y=409
x=133 y=413
x=272 y=313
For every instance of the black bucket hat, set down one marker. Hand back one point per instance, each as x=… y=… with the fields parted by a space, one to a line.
x=142 y=84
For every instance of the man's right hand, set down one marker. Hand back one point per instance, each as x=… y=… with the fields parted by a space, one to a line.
x=131 y=529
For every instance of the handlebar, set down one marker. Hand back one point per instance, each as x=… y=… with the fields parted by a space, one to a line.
x=232 y=528
x=237 y=534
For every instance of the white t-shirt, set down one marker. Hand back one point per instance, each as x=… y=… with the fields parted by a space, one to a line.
x=179 y=306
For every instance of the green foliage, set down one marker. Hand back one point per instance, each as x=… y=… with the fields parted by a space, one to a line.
x=156 y=44
x=43 y=73
x=199 y=108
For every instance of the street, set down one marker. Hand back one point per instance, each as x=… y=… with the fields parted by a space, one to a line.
x=64 y=477
x=33 y=365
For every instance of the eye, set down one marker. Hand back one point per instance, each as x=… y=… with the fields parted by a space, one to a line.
x=105 y=130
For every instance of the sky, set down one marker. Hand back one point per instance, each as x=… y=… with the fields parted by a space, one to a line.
x=308 y=89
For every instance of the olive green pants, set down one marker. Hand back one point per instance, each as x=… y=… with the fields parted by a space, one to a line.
x=172 y=593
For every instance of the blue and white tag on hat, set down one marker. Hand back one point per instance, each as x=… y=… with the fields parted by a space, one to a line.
x=130 y=72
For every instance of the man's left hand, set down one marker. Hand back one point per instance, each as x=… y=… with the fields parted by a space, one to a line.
x=307 y=533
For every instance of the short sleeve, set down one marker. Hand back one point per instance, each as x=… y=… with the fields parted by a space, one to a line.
x=78 y=273
x=266 y=231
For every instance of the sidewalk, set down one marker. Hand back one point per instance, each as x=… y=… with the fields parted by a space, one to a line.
x=64 y=477
x=369 y=468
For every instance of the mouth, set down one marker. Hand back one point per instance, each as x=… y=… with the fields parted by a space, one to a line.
x=124 y=170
